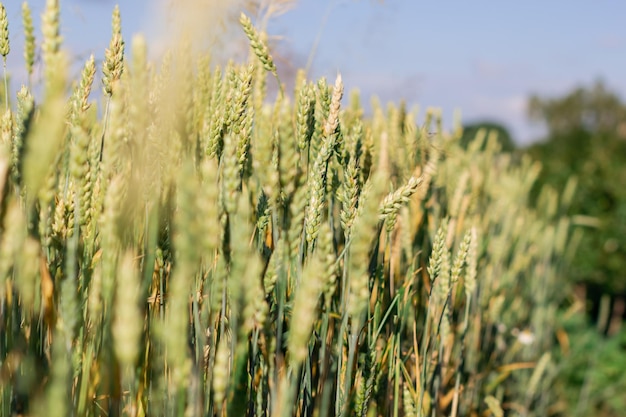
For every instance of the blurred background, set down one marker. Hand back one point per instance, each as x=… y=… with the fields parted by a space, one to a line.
x=485 y=59
x=550 y=77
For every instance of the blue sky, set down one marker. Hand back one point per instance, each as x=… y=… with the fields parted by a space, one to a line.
x=481 y=57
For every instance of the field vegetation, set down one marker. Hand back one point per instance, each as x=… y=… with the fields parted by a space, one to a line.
x=191 y=245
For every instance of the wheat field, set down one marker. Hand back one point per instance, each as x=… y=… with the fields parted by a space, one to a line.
x=186 y=243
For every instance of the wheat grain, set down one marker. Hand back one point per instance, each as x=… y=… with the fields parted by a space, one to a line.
x=257 y=45
x=113 y=65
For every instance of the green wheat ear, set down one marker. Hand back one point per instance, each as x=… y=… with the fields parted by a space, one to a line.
x=50 y=27
x=5 y=48
x=29 y=39
x=258 y=46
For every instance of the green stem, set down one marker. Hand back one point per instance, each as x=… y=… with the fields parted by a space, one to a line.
x=6 y=85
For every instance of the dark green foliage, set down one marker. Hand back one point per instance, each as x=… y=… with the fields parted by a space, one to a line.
x=504 y=137
x=593 y=109
x=593 y=371
x=587 y=141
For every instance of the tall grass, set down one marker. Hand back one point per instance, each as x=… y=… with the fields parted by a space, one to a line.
x=206 y=249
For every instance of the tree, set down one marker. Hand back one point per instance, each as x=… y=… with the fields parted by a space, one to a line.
x=504 y=137
x=594 y=109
